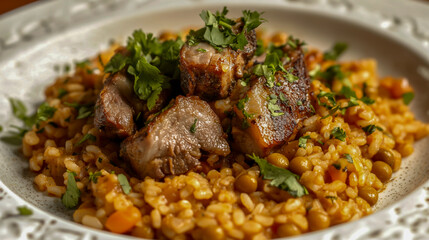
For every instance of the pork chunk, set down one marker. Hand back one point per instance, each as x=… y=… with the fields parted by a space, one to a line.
x=117 y=106
x=172 y=143
x=210 y=74
x=274 y=115
x=113 y=113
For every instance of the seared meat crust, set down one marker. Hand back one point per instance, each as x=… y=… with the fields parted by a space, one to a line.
x=210 y=74
x=263 y=131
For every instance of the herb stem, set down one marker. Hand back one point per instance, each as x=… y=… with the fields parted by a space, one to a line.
x=224 y=24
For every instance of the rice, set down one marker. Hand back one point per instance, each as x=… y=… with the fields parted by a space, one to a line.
x=208 y=205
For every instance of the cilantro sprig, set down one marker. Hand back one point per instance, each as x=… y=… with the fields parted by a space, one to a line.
x=339 y=133
x=70 y=198
x=152 y=64
x=219 y=30
x=280 y=178
x=336 y=51
x=302 y=142
x=123 y=181
x=240 y=105
x=275 y=109
x=19 y=111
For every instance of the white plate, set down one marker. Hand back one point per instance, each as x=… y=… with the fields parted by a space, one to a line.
x=34 y=39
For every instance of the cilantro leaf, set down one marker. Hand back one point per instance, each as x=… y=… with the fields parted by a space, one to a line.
x=24 y=211
x=259 y=48
x=275 y=109
x=84 y=110
x=87 y=136
x=347 y=92
x=271 y=65
x=371 y=128
x=302 y=142
x=82 y=64
x=339 y=134
x=294 y=43
x=193 y=128
x=331 y=73
x=367 y=100
x=18 y=108
x=240 y=105
x=70 y=198
x=116 y=63
x=62 y=92
x=407 y=97
x=93 y=177
x=45 y=112
x=148 y=81
x=251 y=20
x=218 y=29
x=336 y=51
x=280 y=178
x=348 y=157
x=123 y=181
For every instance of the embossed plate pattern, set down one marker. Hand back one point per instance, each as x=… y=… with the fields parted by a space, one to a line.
x=36 y=38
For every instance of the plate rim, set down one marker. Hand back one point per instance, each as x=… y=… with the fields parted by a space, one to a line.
x=401 y=35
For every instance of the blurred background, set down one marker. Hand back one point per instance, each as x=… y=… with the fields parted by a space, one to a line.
x=8 y=5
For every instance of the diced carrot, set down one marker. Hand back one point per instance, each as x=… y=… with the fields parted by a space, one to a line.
x=396 y=87
x=337 y=174
x=123 y=221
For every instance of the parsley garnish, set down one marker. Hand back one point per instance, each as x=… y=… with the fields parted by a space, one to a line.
x=87 y=136
x=333 y=198
x=82 y=64
x=218 y=30
x=148 y=81
x=339 y=134
x=240 y=105
x=123 y=181
x=371 y=128
x=348 y=157
x=201 y=50
x=303 y=141
x=45 y=112
x=336 y=51
x=271 y=65
x=116 y=63
x=84 y=110
x=407 y=97
x=152 y=63
x=336 y=166
x=294 y=43
x=193 y=128
x=367 y=100
x=70 y=199
x=290 y=77
x=273 y=107
x=280 y=178
x=62 y=92
x=93 y=177
x=24 y=211
x=259 y=48
x=331 y=73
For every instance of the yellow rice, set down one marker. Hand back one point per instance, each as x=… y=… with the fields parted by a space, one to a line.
x=208 y=206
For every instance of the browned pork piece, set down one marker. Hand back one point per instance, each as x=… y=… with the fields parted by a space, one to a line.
x=267 y=117
x=210 y=74
x=117 y=106
x=171 y=144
